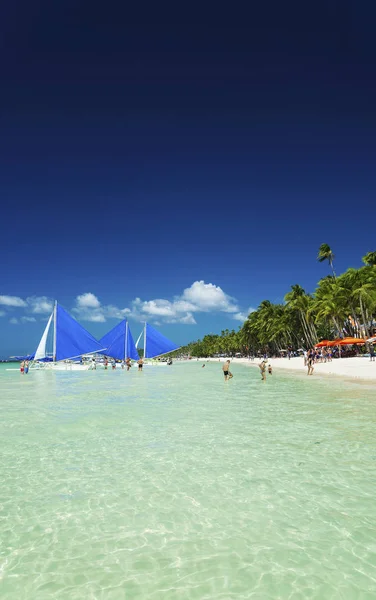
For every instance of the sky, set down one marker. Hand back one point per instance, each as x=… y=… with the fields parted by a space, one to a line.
x=182 y=166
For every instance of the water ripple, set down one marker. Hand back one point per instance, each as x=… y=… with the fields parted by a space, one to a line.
x=171 y=484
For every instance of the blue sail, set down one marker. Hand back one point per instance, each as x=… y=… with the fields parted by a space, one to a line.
x=131 y=347
x=119 y=342
x=110 y=338
x=71 y=338
x=156 y=343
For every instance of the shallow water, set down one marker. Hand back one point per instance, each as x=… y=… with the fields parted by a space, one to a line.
x=171 y=484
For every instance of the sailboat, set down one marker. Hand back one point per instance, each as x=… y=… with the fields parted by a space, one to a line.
x=70 y=341
x=118 y=342
x=155 y=344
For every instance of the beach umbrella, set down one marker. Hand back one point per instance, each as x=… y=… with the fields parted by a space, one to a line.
x=372 y=340
x=334 y=342
x=322 y=344
x=350 y=340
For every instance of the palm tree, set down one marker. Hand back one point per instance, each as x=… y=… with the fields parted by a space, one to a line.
x=326 y=253
x=298 y=300
x=370 y=259
x=361 y=283
x=331 y=303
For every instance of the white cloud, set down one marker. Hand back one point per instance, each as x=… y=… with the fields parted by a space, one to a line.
x=208 y=297
x=188 y=319
x=87 y=300
x=13 y=321
x=199 y=297
x=28 y=319
x=242 y=316
x=89 y=308
x=169 y=312
x=14 y=301
x=40 y=304
x=95 y=317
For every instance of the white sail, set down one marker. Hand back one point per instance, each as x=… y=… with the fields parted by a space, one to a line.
x=139 y=337
x=41 y=350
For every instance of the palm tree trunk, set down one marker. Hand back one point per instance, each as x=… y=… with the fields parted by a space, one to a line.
x=332 y=267
x=363 y=316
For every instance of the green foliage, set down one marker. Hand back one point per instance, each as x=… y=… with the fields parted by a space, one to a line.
x=370 y=259
x=343 y=305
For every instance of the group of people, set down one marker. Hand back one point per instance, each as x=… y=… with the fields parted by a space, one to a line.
x=318 y=355
x=124 y=363
x=313 y=356
x=263 y=368
x=24 y=367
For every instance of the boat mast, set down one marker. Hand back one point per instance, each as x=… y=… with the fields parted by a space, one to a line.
x=144 y=341
x=54 y=346
x=126 y=340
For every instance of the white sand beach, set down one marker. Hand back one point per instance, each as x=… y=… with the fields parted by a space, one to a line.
x=357 y=367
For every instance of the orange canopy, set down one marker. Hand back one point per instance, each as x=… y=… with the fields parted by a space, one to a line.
x=322 y=344
x=334 y=342
x=351 y=340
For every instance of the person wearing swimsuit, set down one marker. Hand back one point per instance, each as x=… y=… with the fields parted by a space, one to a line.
x=226 y=370
x=310 y=362
x=140 y=363
x=262 y=366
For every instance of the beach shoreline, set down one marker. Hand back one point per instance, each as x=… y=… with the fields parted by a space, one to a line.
x=355 y=368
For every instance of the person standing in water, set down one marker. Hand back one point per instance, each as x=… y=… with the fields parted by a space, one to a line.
x=140 y=362
x=262 y=366
x=270 y=370
x=226 y=370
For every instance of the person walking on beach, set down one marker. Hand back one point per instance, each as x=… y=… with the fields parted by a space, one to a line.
x=226 y=370
x=113 y=364
x=270 y=370
x=93 y=364
x=128 y=363
x=22 y=367
x=140 y=363
x=262 y=367
x=371 y=353
x=26 y=367
x=310 y=362
x=105 y=362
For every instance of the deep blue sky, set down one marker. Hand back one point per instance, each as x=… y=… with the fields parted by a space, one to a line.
x=140 y=153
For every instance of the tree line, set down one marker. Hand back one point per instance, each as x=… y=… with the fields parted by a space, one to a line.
x=342 y=305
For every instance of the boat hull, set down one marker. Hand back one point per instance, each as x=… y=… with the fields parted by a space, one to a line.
x=59 y=367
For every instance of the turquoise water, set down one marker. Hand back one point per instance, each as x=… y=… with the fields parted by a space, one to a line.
x=171 y=484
